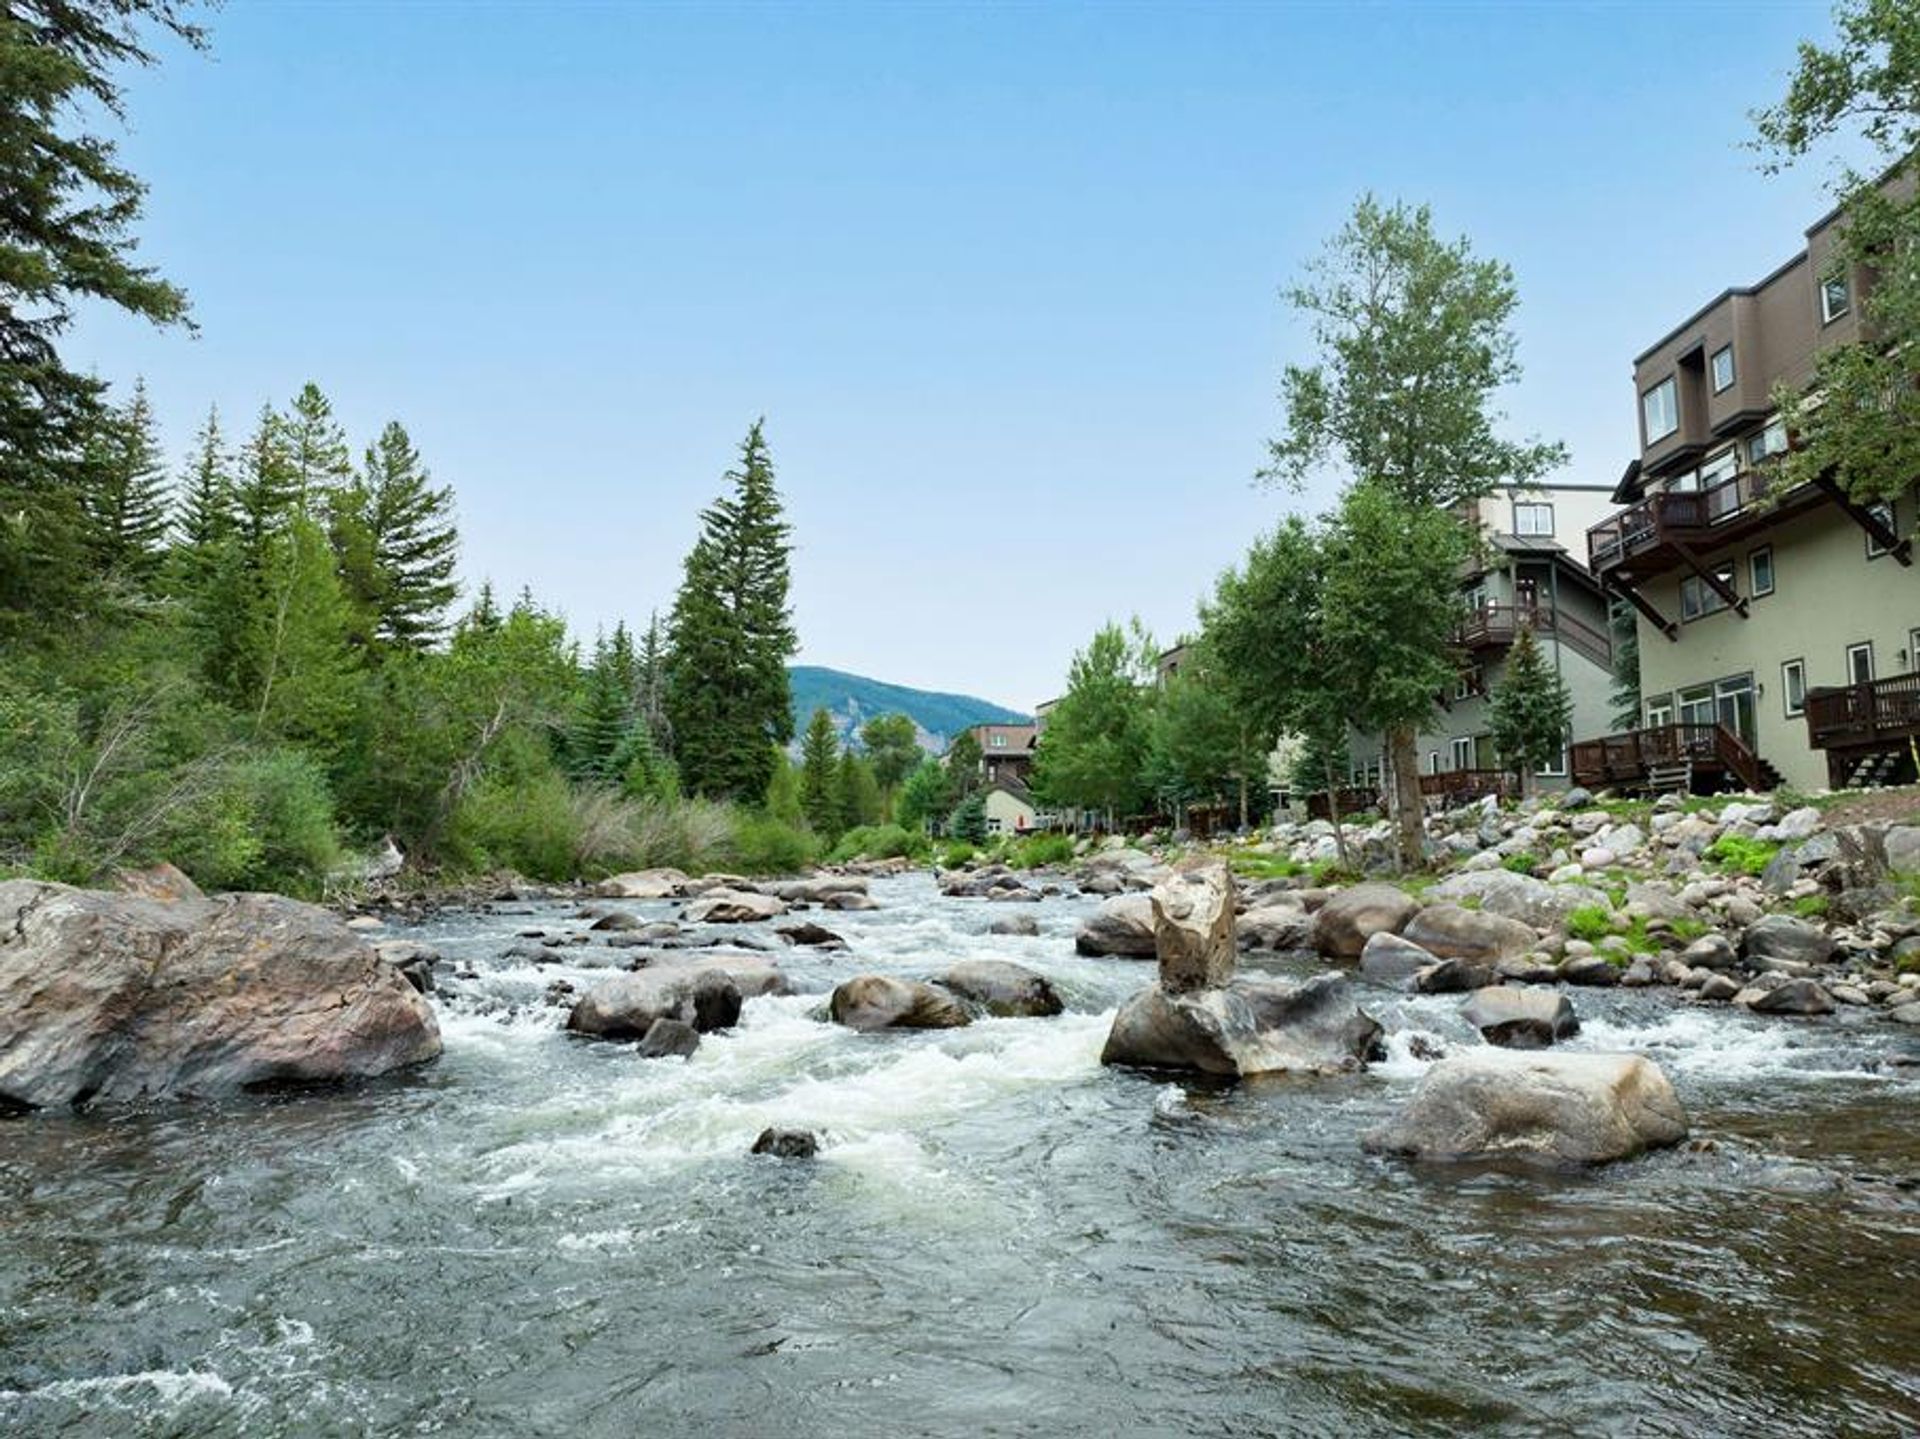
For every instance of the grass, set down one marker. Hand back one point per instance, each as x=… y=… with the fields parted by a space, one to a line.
x=1521 y=863
x=1690 y=929
x=1590 y=922
x=1265 y=866
x=1735 y=854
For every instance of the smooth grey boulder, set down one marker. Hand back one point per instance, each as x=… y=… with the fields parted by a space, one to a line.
x=1710 y=951
x=1193 y=934
x=1122 y=926
x=1519 y=896
x=734 y=906
x=1719 y=988
x=415 y=961
x=1455 y=933
x=1389 y=959
x=810 y=935
x=1538 y=1107
x=1251 y=1026
x=821 y=889
x=1343 y=925
x=1517 y=1018
x=1796 y=996
x=1453 y=976
x=1003 y=989
x=869 y=1002
x=1781 y=936
x=626 y=1006
x=113 y=997
x=787 y=1143
x=1018 y=925
x=669 y=1037
x=643 y=884
x=1279 y=926
x=1592 y=970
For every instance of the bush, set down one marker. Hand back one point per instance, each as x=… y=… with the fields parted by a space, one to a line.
x=882 y=841
x=761 y=844
x=1041 y=850
x=969 y=820
x=1521 y=863
x=693 y=835
x=956 y=854
x=1590 y=922
x=526 y=826
x=1739 y=855
x=1812 y=906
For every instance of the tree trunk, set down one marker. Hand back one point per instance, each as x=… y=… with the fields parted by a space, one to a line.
x=1403 y=755
x=1333 y=816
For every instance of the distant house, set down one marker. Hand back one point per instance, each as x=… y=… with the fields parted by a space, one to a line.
x=1010 y=807
x=1006 y=751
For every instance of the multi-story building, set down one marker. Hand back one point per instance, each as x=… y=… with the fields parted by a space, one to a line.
x=1006 y=751
x=1525 y=578
x=1779 y=629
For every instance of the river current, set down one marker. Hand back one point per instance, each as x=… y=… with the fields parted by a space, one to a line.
x=540 y=1235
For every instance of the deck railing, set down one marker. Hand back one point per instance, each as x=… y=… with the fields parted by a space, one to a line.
x=1630 y=757
x=1864 y=713
x=1675 y=514
x=1501 y=624
x=1463 y=786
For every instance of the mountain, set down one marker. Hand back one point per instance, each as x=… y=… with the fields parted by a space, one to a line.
x=852 y=700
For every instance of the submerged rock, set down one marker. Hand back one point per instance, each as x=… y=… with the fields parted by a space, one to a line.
x=113 y=997
x=787 y=1143
x=1343 y=925
x=669 y=1037
x=881 y=1001
x=1024 y=925
x=627 y=1006
x=1453 y=976
x=1251 y=1026
x=1122 y=926
x=1516 y=1018
x=1553 y=1108
x=809 y=934
x=1003 y=989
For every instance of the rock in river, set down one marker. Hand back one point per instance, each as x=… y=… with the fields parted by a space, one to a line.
x=1121 y=926
x=734 y=906
x=1193 y=931
x=1344 y=924
x=1517 y=1018
x=669 y=1037
x=1388 y=959
x=1003 y=989
x=1251 y=1026
x=627 y=1006
x=787 y=1143
x=114 y=997
x=1551 y=1108
x=880 y=1001
x=1456 y=933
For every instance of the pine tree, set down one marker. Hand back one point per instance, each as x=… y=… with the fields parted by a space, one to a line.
x=731 y=635
x=126 y=493
x=266 y=493
x=1625 y=693
x=1530 y=711
x=206 y=494
x=395 y=536
x=316 y=448
x=484 y=617
x=819 y=775
x=300 y=660
x=650 y=687
x=856 y=794
x=603 y=715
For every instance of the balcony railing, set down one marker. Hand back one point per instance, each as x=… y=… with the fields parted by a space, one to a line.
x=1488 y=626
x=1676 y=515
x=1463 y=786
x=1629 y=758
x=1864 y=713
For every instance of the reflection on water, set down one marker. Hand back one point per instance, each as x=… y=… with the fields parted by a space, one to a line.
x=542 y=1235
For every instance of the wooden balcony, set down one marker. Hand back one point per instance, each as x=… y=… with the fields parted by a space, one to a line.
x=1663 y=530
x=1463 y=786
x=1491 y=627
x=1864 y=715
x=1714 y=755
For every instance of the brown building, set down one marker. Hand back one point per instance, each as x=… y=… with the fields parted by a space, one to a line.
x=1006 y=751
x=1779 y=629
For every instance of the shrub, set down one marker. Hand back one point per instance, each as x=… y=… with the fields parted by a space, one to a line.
x=1812 y=906
x=957 y=853
x=761 y=844
x=1041 y=850
x=526 y=826
x=693 y=835
x=879 y=841
x=1521 y=863
x=1689 y=929
x=969 y=820
x=1740 y=855
x=1590 y=922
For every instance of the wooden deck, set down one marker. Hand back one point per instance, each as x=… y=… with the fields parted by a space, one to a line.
x=1716 y=756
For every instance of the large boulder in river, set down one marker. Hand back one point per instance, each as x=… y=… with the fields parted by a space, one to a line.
x=114 y=997
x=1343 y=925
x=734 y=906
x=1552 y=1108
x=1456 y=933
x=1193 y=928
x=1515 y=1017
x=1519 y=896
x=627 y=1006
x=1388 y=959
x=821 y=889
x=1281 y=926
x=1783 y=937
x=1003 y=989
x=1121 y=926
x=1251 y=1026
x=643 y=884
x=882 y=1001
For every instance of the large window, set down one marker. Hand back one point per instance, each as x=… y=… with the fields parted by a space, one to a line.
x=1660 y=408
x=1860 y=663
x=1722 y=363
x=1883 y=511
x=1760 y=572
x=1793 y=687
x=1533 y=518
x=1462 y=752
x=1769 y=442
x=1699 y=599
x=1836 y=298
x=1696 y=705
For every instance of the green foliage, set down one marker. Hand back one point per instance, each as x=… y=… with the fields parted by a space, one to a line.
x=1521 y=863
x=886 y=841
x=398 y=545
x=819 y=774
x=760 y=844
x=957 y=853
x=1591 y=922
x=1531 y=709
x=1200 y=748
x=1265 y=866
x=1812 y=906
x=1739 y=855
x=1328 y=872
x=924 y=796
x=1092 y=753
x=1040 y=851
x=969 y=820
x=856 y=794
x=962 y=763
x=731 y=634
x=1625 y=694
x=893 y=749
x=1688 y=930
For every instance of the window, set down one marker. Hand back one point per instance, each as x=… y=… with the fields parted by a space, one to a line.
x=1698 y=599
x=1433 y=761
x=1769 y=442
x=997 y=741
x=1659 y=711
x=1860 y=663
x=1468 y=685
x=1696 y=705
x=1660 y=409
x=1793 y=687
x=1881 y=510
x=1554 y=768
x=1836 y=298
x=1760 y=572
x=1532 y=518
x=1463 y=752
x=1722 y=369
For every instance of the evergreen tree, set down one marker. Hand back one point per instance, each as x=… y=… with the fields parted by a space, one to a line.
x=484 y=617
x=963 y=764
x=1626 y=665
x=819 y=774
x=969 y=820
x=856 y=793
x=206 y=495
x=644 y=772
x=783 y=792
x=308 y=685
x=731 y=635
x=603 y=716
x=66 y=235
x=126 y=493
x=1530 y=711
x=266 y=493
x=395 y=536
x=650 y=686
x=316 y=448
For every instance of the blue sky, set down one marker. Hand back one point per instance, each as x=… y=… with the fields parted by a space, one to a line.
x=1004 y=281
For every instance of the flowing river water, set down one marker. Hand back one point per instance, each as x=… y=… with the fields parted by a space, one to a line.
x=545 y=1236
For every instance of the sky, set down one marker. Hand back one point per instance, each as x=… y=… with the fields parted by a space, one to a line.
x=1004 y=281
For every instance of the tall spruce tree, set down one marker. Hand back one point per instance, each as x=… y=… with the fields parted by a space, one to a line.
x=395 y=536
x=650 y=686
x=125 y=493
x=596 y=741
x=1530 y=712
x=819 y=775
x=205 y=512
x=66 y=236
x=317 y=455
x=731 y=635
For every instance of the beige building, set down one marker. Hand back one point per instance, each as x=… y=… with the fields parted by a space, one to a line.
x=1010 y=808
x=1779 y=630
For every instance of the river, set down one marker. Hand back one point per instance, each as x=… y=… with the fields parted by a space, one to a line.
x=545 y=1236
